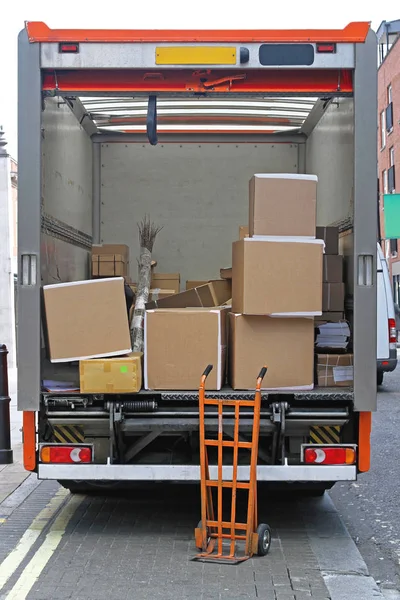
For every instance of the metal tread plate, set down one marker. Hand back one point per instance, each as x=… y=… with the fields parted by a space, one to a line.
x=328 y=394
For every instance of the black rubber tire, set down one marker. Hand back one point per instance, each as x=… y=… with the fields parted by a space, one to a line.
x=379 y=378
x=264 y=539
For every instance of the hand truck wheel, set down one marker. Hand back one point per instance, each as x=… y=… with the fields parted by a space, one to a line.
x=264 y=539
x=200 y=526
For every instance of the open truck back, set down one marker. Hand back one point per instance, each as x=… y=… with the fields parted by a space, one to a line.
x=230 y=104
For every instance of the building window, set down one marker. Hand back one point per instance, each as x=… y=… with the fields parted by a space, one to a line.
x=384 y=182
x=383 y=130
x=389 y=110
x=391 y=172
x=393 y=248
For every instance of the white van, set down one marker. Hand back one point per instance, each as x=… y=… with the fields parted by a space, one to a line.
x=386 y=325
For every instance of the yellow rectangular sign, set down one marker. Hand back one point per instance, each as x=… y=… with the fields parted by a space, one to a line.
x=195 y=55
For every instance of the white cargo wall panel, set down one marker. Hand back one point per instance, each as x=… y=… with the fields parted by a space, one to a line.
x=197 y=192
x=66 y=167
x=330 y=155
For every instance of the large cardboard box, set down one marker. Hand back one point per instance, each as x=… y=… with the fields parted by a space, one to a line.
x=333 y=297
x=330 y=235
x=214 y=293
x=122 y=375
x=109 y=265
x=190 y=284
x=111 y=249
x=179 y=344
x=335 y=370
x=226 y=273
x=86 y=319
x=332 y=269
x=166 y=281
x=283 y=204
x=272 y=277
x=285 y=346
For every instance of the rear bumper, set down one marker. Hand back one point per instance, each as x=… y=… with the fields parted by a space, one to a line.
x=191 y=473
x=390 y=363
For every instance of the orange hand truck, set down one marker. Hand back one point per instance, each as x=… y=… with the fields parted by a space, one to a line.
x=211 y=532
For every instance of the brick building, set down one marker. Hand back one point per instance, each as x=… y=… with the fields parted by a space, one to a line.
x=389 y=134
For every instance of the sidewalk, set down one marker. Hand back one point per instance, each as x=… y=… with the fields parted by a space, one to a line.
x=11 y=476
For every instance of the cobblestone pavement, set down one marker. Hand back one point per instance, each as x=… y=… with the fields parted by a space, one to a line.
x=140 y=545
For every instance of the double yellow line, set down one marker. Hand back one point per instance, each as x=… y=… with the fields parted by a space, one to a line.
x=34 y=568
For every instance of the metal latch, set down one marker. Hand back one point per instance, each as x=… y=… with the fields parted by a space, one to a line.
x=28 y=269
x=365 y=269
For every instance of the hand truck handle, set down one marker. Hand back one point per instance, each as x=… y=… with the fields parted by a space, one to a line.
x=262 y=373
x=207 y=370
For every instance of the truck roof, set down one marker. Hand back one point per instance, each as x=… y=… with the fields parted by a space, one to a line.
x=353 y=33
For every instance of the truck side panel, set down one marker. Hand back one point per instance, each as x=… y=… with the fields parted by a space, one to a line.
x=365 y=215
x=198 y=192
x=67 y=167
x=29 y=221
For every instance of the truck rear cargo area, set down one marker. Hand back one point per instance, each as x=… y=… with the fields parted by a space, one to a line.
x=195 y=186
x=107 y=161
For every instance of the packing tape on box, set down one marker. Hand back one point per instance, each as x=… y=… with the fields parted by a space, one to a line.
x=342 y=372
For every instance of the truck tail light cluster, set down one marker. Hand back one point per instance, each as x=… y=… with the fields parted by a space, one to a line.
x=392 y=331
x=65 y=454
x=333 y=455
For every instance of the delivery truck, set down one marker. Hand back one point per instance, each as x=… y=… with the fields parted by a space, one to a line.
x=117 y=124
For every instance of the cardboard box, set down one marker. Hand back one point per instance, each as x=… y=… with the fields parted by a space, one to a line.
x=166 y=281
x=86 y=319
x=243 y=232
x=277 y=277
x=330 y=317
x=156 y=294
x=193 y=284
x=214 y=293
x=285 y=346
x=335 y=370
x=179 y=344
x=109 y=265
x=283 y=204
x=333 y=297
x=332 y=268
x=330 y=235
x=100 y=249
x=121 y=375
x=226 y=273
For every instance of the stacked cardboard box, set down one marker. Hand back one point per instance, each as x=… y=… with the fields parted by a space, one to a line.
x=180 y=343
x=110 y=260
x=276 y=285
x=166 y=281
x=333 y=286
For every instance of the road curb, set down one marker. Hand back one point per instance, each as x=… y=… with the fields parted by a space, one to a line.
x=343 y=568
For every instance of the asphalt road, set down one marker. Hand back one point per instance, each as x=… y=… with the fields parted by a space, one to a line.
x=370 y=508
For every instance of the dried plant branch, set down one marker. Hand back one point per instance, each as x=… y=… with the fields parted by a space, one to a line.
x=147 y=234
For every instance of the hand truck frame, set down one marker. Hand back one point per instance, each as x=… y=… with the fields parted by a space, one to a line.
x=211 y=532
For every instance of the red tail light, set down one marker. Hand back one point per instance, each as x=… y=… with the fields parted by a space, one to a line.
x=323 y=455
x=392 y=331
x=326 y=48
x=66 y=454
x=68 y=48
